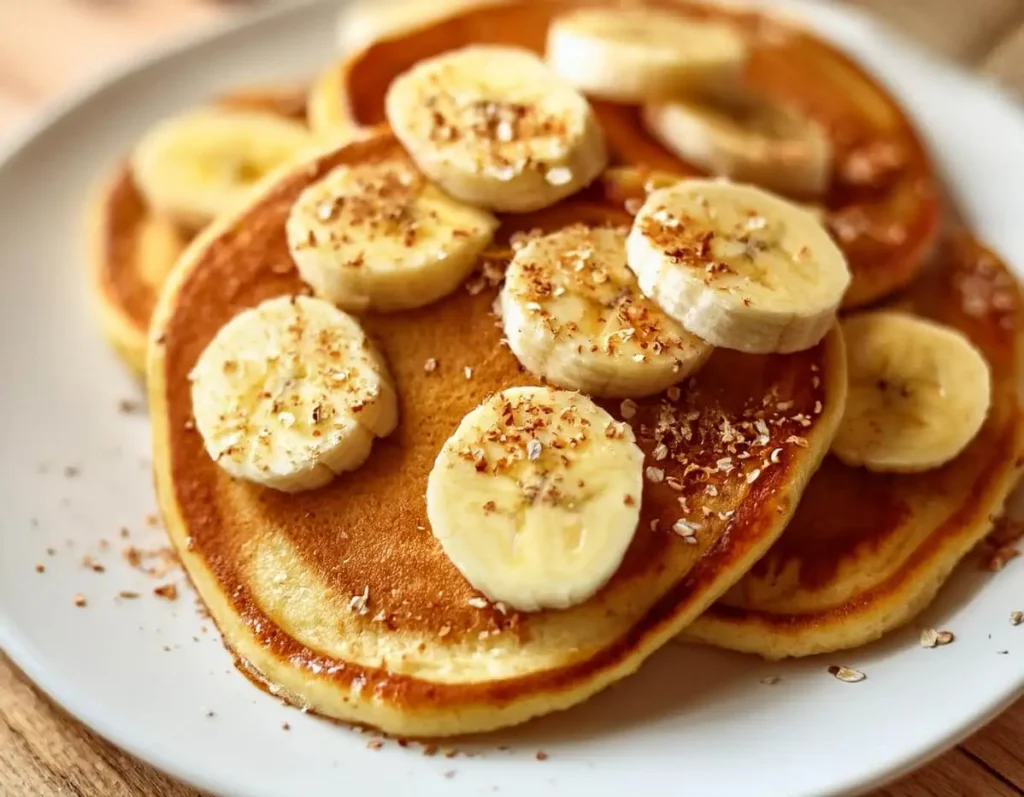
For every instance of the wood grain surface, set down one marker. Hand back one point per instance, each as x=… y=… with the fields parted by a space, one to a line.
x=47 y=45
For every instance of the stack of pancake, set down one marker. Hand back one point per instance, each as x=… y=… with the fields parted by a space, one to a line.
x=459 y=420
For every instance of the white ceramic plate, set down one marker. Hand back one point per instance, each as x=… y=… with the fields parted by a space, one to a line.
x=693 y=721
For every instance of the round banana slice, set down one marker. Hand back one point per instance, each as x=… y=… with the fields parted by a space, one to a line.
x=194 y=167
x=290 y=393
x=494 y=127
x=747 y=138
x=379 y=236
x=536 y=497
x=634 y=54
x=919 y=393
x=367 y=21
x=573 y=314
x=738 y=267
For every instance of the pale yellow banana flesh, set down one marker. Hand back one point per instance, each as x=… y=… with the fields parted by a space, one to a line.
x=635 y=54
x=290 y=393
x=194 y=167
x=536 y=497
x=919 y=393
x=746 y=138
x=159 y=243
x=738 y=267
x=495 y=128
x=378 y=236
x=572 y=313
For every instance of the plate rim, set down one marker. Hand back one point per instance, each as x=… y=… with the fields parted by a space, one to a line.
x=89 y=712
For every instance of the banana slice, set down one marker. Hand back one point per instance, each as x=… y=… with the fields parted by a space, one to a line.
x=634 y=54
x=748 y=138
x=919 y=393
x=494 y=127
x=379 y=236
x=363 y=23
x=573 y=314
x=738 y=267
x=290 y=393
x=536 y=497
x=196 y=166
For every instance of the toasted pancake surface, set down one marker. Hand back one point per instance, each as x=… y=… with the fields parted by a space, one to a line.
x=342 y=600
x=133 y=249
x=882 y=205
x=865 y=552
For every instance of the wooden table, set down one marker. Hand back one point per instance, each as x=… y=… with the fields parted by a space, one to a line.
x=47 y=44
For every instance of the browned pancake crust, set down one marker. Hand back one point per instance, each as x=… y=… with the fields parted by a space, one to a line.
x=123 y=214
x=285 y=101
x=883 y=201
x=851 y=520
x=388 y=545
x=118 y=217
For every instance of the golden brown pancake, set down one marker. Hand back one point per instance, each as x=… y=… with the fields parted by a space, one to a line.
x=865 y=552
x=883 y=202
x=133 y=249
x=281 y=573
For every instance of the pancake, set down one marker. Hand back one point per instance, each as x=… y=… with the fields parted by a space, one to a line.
x=882 y=206
x=342 y=601
x=866 y=552
x=133 y=249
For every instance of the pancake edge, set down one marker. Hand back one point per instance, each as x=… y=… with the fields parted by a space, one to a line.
x=325 y=109
x=446 y=709
x=327 y=113
x=329 y=106
x=869 y=615
x=122 y=333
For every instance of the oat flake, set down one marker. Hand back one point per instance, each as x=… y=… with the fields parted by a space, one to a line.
x=930 y=638
x=846 y=674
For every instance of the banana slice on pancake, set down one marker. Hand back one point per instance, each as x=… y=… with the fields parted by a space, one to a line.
x=748 y=138
x=362 y=23
x=634 y=54
x=536 y=497
x=573 y=314
x=919 y=393
x=196 y=166
x=379 y=236
x=494 y=127
x=737 y=266
x=290 y=393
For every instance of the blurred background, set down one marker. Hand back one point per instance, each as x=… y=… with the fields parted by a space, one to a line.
x=47 y=46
